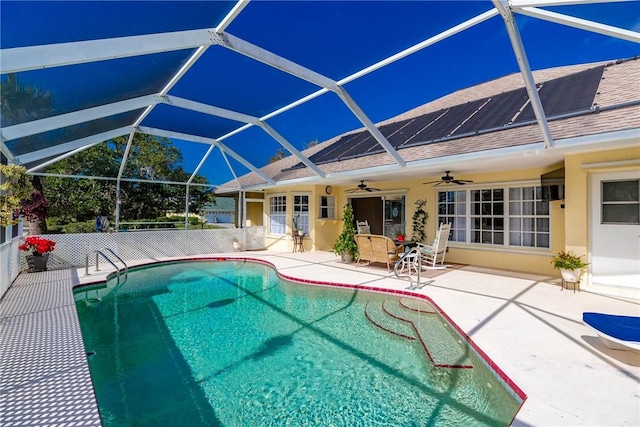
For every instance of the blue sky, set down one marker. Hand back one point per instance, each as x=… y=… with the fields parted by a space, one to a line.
x=333 y=38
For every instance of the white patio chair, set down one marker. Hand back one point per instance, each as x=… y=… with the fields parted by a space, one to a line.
x=363 y=227
x=432 y=256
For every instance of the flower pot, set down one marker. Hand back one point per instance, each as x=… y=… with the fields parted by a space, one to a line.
x=237 y=246
x=571 y=276
x=346 y=257
x=37 y=262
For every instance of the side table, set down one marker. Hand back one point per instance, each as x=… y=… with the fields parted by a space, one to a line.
x=298 y=245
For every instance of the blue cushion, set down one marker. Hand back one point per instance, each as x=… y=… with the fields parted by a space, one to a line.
x=625 y=328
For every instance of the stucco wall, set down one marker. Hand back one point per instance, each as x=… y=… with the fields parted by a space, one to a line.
x=568 y=218
x=255 y=214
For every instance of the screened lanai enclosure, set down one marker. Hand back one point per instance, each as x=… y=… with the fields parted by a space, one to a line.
x=231 y=83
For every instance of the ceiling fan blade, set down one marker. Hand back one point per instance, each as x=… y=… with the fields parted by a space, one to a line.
x=430 y=182
x=457 y=181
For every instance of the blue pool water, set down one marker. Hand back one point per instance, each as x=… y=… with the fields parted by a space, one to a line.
x=229 y=343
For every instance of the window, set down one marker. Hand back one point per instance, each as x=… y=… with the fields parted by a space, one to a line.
x=528 y=218
x=301 y=212
x=277 y=214
x=452 y=209
x=327 y=207
x=487 y=216
x=621 y=202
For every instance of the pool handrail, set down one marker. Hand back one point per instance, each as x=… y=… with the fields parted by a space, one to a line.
x=410 y=259
x=102 y=251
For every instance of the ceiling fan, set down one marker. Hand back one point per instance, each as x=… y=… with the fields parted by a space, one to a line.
x=448 y=179
x=362 y=187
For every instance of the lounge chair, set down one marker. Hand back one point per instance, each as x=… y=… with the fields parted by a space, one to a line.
x=432 y=256
x=616 y=332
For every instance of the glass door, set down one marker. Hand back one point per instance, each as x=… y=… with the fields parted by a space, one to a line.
x=394 y=216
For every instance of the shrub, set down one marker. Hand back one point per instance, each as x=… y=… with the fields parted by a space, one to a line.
x=80 y=227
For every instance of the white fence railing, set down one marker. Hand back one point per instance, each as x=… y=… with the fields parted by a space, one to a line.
x=10 y=265
x=72 y=249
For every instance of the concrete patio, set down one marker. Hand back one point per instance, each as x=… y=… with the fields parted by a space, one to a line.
x=526 y=324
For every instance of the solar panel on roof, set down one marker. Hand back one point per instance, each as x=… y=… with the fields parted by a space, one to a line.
x=391 y=128
x=328 y=152
x=446 y=124
x=352 y=146
x=415 y=127
x=567 y=94
x=497 y=112
x=363 y=147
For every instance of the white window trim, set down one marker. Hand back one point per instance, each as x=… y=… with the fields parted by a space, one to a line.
x=309 y=205
x=268 y=209
x=321 y=206
x=505 y=247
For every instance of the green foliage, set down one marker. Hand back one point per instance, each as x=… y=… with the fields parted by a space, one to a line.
x=22 y=103
x=568 y=261
x=15 y=187
x=420 y=217
x=346 y=241
x=150 y=158
x=80 y=227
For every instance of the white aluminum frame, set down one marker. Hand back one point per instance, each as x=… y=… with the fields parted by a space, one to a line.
x=55 y=55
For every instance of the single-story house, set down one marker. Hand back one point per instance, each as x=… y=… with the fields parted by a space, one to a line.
x=521 y=190
x=223 y=211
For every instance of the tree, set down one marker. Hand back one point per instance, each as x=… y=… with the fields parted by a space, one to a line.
x=279 y=155
x=150 y=158
x=20 y=104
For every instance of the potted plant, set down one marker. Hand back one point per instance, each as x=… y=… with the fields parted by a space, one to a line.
x=570 y=265
x=237 y=246
x=345 y=246
x=294 y=229
x=39 y=249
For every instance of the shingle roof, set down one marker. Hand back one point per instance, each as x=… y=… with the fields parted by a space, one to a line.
x=616 y=106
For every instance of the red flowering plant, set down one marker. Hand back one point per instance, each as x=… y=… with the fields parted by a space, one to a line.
x=38 y=245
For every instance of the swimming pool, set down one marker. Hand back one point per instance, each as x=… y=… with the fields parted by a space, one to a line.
x=230 y=343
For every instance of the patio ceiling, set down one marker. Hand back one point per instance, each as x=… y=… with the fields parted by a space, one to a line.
x=201 y=75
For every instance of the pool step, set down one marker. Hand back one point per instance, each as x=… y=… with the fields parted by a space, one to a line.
x=443 y=345
x=374 y=312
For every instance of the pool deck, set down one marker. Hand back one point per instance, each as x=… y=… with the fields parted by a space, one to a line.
x=526 y=324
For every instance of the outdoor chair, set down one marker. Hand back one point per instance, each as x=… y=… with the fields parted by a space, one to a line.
x=377 y=248
x=432 y=256
x=363 y=227
x=615 y=331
